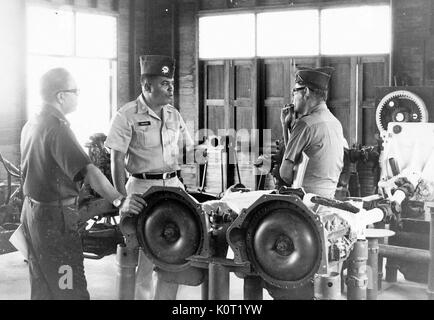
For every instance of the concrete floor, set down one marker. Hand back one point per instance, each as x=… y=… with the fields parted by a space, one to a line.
x=101 y=275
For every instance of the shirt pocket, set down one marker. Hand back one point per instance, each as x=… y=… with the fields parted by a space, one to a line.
x=145 y=137
x=172 y=130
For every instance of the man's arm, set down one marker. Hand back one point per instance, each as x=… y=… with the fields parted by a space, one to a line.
x=287 y=116
x=118 y=170
x=287 y=171
x=133 y=204
x=300 y=138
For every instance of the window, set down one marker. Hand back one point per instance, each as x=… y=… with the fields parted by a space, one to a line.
x=359 y=30
x=279 y=33
x=85 y=44
x=227 y=36
x=356 y=30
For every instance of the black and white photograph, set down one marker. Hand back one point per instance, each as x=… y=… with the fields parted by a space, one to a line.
x=217 y=155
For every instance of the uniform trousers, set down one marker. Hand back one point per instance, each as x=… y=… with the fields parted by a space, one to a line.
x=55 y=251
x=144 y=275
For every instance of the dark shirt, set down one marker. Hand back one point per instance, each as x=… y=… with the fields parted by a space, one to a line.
x=51 y=157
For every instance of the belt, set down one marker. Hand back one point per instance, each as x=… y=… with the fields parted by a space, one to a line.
x=57 y=203
x=155 y=176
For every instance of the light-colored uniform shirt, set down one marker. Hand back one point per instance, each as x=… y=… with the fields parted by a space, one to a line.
x=319 y=134
x=151 y=144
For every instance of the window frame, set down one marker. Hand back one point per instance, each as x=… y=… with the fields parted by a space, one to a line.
x=113 y=62
x=293 y=7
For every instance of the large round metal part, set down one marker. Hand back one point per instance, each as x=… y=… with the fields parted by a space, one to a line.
x=169 y=231
x=400 y=106
x=287 y=246
x=284 y=244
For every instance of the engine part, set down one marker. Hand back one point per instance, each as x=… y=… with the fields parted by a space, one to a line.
x=171 y=228
x=400 y=106
x=329 y=286
x=357 y=278
x=126 y=262
x=430 y=289
x=101 y=240
x=281 y=238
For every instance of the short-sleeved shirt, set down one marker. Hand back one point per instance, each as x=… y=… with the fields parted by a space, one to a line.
x=151 y=144
x=318 y=134
x=52 y=160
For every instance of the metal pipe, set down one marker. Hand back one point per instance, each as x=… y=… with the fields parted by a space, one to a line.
x=357 y=278
x=404 y=253
x=205 y=289
x=380 y=271
x=218 y=282
x=372 y=291
x=253 y=288
x=430 y=289
x=126 y=261
x=330 y=286
x=413 y=239
x=391 y=270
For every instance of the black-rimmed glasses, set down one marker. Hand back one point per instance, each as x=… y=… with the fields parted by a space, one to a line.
x=294 y=90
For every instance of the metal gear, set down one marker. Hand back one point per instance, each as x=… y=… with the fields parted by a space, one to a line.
x=400 y=106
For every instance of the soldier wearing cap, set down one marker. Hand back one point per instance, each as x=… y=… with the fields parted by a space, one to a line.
x=146 y=138
x=315 y=131
x=53 y=167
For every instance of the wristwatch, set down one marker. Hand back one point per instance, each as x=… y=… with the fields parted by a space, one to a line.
x=118 y=202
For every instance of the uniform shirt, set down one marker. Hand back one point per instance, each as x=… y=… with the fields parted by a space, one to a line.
x=51 y=157
x=151 y=144
x=319 y=134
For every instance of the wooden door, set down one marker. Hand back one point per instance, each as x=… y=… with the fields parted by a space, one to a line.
x=229 y=108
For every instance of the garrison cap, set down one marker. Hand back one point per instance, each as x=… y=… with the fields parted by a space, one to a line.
x=314 y=78
x=156 y=65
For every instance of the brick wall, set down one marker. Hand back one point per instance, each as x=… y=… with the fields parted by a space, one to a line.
x=413 y=46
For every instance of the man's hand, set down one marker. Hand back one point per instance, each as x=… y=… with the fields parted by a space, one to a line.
x=287 y=115
x=133 y=204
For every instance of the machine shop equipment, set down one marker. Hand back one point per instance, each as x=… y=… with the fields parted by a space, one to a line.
x=170 y=230
x=99 y=229
x=286 y=243
x=292 y=243
x=400 y=106
x=407 y=180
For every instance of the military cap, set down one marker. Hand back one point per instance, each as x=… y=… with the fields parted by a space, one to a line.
x=156 y=65
x=314 y=78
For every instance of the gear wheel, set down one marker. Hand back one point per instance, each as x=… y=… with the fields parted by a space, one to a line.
x=400 y=106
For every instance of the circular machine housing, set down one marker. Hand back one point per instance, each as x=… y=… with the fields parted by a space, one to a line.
x=400 y=106
x=171 y=228
x=281 y=239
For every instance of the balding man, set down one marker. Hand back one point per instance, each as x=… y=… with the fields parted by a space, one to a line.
x=54 y=166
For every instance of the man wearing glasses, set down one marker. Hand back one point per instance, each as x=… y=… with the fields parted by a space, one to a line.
x=53 y=167
x=313 y=130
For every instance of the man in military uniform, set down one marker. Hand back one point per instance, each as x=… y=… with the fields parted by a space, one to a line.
x=315 y=131
x=145 y=138
x=53 y=166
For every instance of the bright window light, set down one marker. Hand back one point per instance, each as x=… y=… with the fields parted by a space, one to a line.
x=90 y=57
x=50 y=31
x=358 y=30
x=227 y=36
x=96 y=35
x=288 y=33
x=93 y=110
